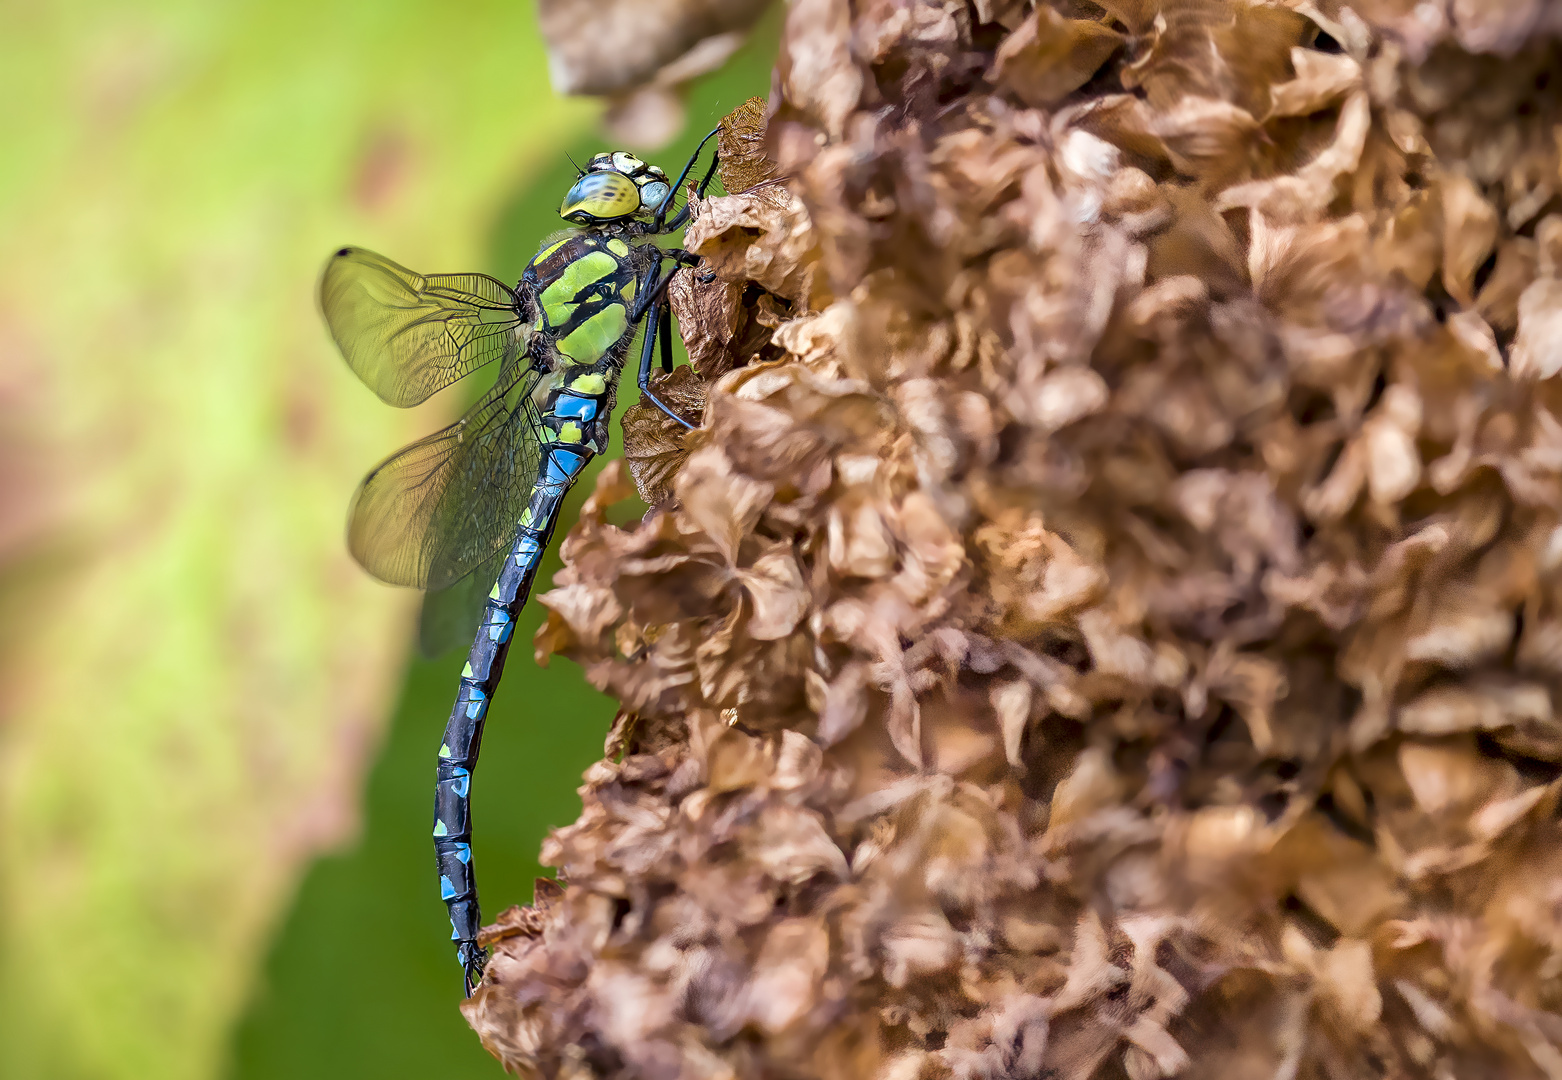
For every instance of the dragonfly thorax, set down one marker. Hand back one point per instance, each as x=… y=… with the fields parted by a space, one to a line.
x=579 y=293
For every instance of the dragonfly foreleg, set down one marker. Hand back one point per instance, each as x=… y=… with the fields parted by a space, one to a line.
x=682 y=215
x=654 y=287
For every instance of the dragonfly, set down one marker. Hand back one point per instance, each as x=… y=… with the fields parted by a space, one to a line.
x=466 y=513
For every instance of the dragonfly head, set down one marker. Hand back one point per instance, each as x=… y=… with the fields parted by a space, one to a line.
x=615 y=187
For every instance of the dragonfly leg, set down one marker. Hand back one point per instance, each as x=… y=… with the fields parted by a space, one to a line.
x=688 y=258
x=654 y=287
x=647 y=350
x=710 y=173
x=682 y=215
x=666 y=333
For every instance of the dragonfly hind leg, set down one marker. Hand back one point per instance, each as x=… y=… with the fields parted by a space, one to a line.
x=652 y=304
x=666 y=333
x=660 y=318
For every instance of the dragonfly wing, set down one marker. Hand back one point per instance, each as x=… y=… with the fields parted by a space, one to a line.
x=436 y=510
x=450 y=615
x=408 y=335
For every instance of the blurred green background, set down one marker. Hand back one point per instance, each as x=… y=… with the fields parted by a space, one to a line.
x=216 y=750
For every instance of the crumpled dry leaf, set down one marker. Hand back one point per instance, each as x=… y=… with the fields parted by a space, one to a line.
x=762 y=235
x=1049 y=57
x=654 y=443
x=1110 y=621
x=740 y=148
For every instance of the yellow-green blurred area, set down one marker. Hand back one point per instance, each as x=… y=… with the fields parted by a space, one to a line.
x=216 y=750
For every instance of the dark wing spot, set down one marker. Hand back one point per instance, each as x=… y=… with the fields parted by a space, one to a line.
x=344 y=252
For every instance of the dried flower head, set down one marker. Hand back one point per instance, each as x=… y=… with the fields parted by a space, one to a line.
x=1109 y=622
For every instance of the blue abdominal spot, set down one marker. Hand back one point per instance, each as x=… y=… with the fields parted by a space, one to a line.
x=575 y=408
x=475 y=707
x=563 y=465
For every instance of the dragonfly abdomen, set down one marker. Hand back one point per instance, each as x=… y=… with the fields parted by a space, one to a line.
x=458 y=752
x=578 y=293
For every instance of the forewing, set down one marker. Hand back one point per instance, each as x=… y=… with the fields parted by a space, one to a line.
x=433 y=512
x=406 y=335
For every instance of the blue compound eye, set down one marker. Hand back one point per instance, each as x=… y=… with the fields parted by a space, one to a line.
x=654 y=194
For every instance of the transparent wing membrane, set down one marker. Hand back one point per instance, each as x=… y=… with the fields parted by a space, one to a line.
x=408 y=336
x=436 y=510
x=450 y=615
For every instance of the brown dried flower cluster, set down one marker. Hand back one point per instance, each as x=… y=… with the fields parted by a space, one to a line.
x=639 y=54
x=1110 y=621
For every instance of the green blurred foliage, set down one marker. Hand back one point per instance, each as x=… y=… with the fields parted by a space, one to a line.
x=193 y=673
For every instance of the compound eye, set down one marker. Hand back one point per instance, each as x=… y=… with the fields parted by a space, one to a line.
x=627 y=164
x=602 y=195
x=654 y=194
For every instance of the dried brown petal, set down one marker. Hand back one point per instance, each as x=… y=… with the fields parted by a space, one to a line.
x=1049 y=57
x=740 y=148
x=653 y=441
x=763 y=235
x=1109 y=622
x=775 y=586
x=724 y=503
x=600 y=48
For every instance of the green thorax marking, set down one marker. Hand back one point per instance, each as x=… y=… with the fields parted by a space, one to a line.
x=591 y=340
x=570 y=290
x=584 y=285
